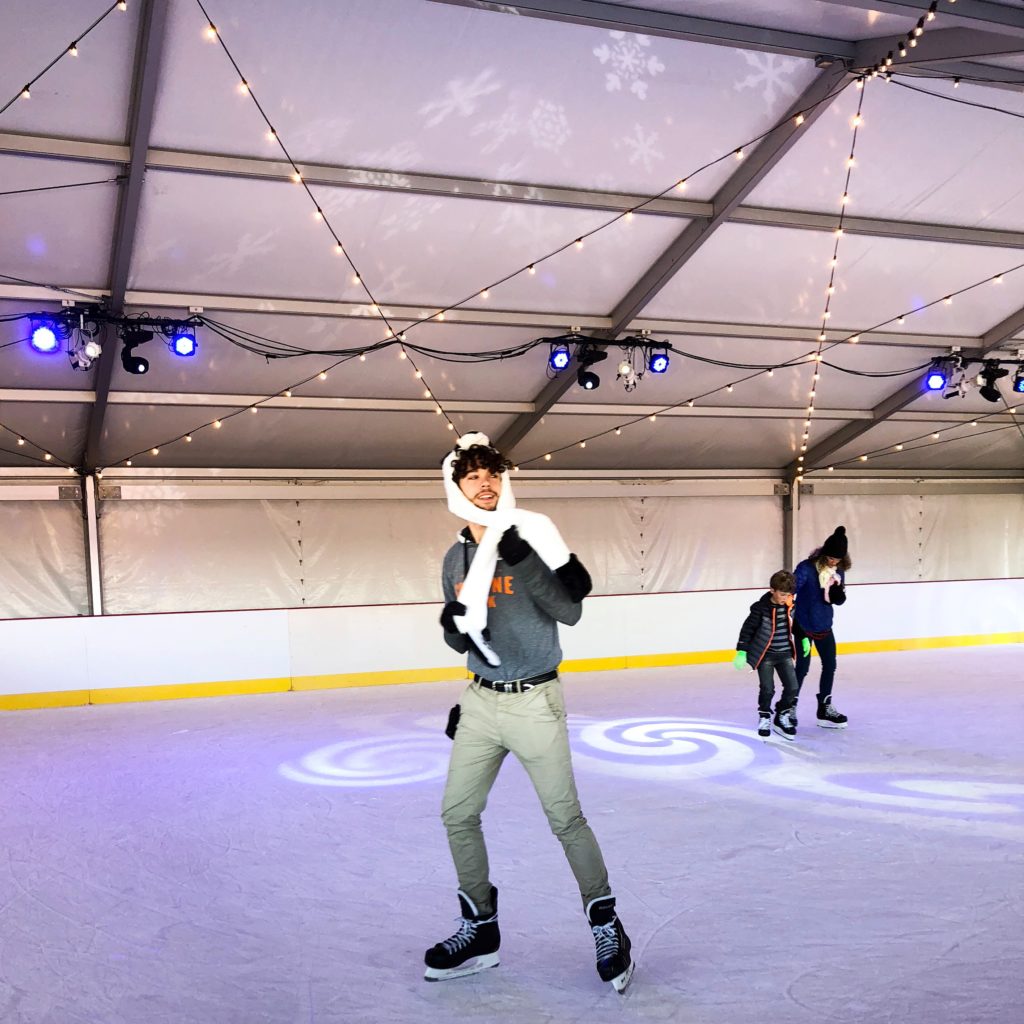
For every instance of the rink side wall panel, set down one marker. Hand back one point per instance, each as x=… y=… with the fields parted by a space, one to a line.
x=68 y=661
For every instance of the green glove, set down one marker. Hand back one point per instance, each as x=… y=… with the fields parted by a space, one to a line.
x=740 y=661
x=805 y=646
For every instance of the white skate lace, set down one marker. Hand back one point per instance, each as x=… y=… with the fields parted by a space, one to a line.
x=830 y=712
x=607 y=938
x=463 y=937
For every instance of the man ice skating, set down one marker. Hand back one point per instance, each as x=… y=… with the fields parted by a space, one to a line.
x=507 y=583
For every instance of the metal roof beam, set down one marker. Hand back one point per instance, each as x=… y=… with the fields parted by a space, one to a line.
x=751 y=171
x=148 y=53
x=669 y=25
x=527 y=193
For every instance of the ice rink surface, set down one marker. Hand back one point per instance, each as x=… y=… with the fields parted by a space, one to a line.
x=280 y=858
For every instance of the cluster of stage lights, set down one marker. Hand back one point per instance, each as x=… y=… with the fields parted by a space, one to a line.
x=656 y=359
x=949 y=376
x=76 y=332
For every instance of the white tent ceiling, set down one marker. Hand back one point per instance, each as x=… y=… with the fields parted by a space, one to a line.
x=449 y=145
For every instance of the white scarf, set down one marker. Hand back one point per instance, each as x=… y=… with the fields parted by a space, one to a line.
x=536 y=529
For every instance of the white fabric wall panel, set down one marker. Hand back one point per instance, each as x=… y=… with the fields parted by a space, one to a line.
x=898 y=538
x=981 y=537
x=163 y=556
x=374 y=552
x=884 y=532
x=709 y=543
x=42 y=559
x=604 y=535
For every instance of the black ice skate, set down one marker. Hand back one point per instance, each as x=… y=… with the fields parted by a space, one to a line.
x=828 y=717
x=764 y=724
x=473 y=948
x=784 y=725
x=614 y=962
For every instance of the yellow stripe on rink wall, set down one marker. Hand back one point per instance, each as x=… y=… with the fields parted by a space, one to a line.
x=240 y=687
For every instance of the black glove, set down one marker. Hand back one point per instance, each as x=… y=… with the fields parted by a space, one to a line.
x=837 y=594
x=575 y=578
x=453 y=721
x=512 y=548
x=448 y=613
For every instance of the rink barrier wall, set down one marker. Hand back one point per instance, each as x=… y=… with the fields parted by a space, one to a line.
x=63 y=662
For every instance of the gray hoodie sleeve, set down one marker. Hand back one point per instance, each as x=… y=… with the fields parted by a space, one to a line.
x=547 y=592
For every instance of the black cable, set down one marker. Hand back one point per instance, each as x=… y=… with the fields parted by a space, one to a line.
x=53 y=188
x=63 y=53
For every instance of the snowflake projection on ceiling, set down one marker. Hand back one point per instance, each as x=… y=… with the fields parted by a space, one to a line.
x=461 y=98
x=642 y=147
x=546 y=125
x=629 y=64
x=769 y=75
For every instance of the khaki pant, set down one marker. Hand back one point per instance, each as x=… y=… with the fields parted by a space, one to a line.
x=532 y=726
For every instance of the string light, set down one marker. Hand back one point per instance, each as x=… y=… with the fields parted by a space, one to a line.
x=531 y=269
x=26 y=94
x=738 y=154
x=579 y=243
x=322 y=375
x=211 y=32
x=188 y=438
x=47 y=456
x=217 y=424
x=122 y=5
x=154 y=451
x=681 y=185
x=798 y=120
x=73 y=49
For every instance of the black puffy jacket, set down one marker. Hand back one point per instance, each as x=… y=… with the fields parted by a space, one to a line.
x=759 y=627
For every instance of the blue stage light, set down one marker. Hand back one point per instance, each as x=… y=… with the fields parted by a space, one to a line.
x=935 y=381
x=183 y=343
x=1018 y=380
x=44 y=339
x=559 y=358
x=658 y=363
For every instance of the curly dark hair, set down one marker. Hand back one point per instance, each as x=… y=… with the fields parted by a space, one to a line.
x=479 y=456
x=819 y=560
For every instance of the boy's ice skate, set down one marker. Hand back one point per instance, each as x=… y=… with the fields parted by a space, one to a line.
x=828 y=717
x=764 y=724
x=473 y=948
x=784 y=726
x=614 y=962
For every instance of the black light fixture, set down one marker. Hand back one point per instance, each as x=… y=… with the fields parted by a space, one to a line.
x=991 y=372
x=133 y=336
x=586 y=356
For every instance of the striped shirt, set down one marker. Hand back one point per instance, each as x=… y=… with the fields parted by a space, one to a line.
x=780 y=636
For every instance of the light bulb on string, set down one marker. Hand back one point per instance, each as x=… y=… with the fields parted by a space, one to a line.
x=73 y=49
x=681 y=185
x=579 y=243
x=217 y=424
x=531 y=269
x=210 y=32
x=26 y=94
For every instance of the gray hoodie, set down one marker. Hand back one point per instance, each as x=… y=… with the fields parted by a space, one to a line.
x=526 y=604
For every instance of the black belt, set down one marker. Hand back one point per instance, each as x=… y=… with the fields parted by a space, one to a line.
x=515 y=685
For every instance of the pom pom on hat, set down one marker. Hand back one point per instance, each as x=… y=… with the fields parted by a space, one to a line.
x=473 y=438
x=836 y=545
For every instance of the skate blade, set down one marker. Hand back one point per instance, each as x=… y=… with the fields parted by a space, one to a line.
x=832 y=725
x=621 y=983
x=779 y=732
x=474 y=966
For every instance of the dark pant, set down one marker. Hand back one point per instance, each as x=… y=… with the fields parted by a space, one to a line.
x=766 y=669
x=826 y=648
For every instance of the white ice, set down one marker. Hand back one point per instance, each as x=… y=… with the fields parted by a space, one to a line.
x=280 y=858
